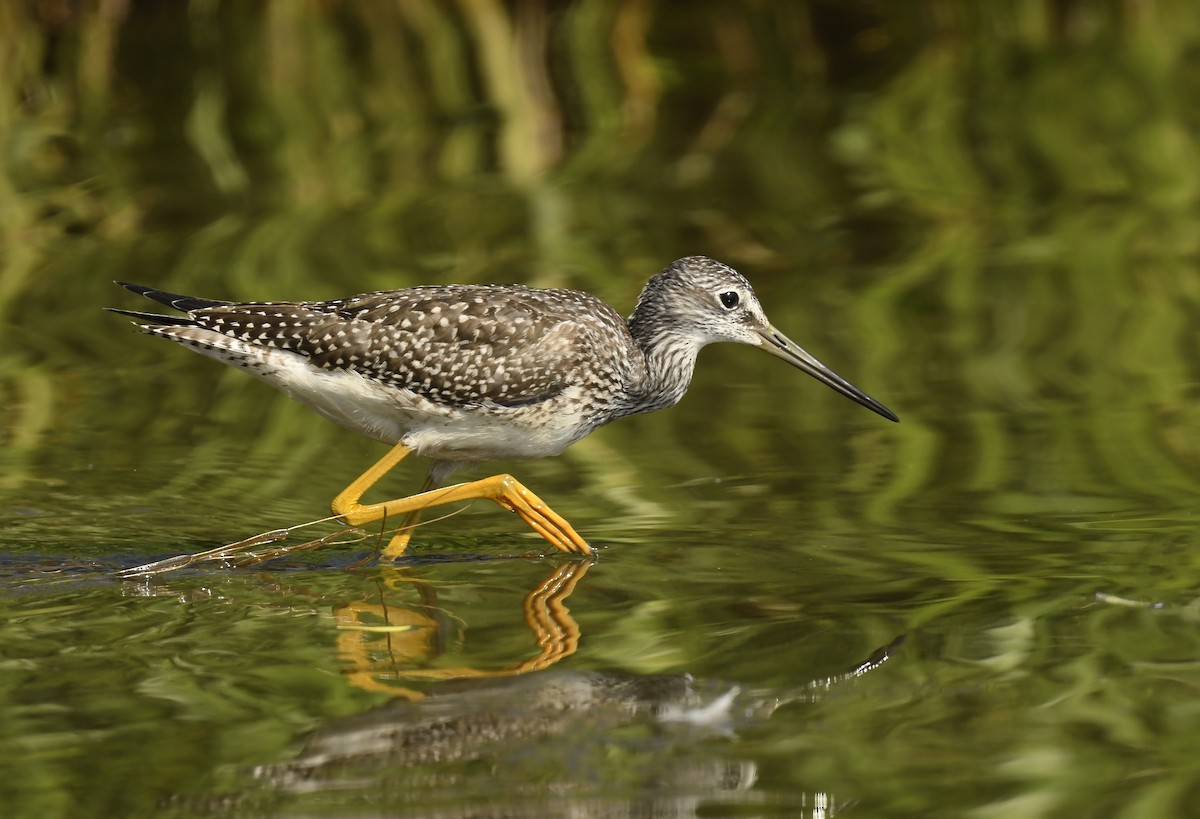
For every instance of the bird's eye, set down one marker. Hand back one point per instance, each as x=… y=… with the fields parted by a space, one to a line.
x=730 y=299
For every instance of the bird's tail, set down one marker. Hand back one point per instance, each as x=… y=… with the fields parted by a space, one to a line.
x=181 y=303
x=184 y=304
x=190 y=331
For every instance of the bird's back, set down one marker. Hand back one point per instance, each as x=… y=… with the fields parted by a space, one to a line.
x=455 y=358
x=457 y=345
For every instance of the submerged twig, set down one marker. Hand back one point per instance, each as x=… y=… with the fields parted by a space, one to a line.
x=243 y=553
x=1115 y=600
x=246 y=552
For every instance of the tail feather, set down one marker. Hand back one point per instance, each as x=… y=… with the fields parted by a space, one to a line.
x=260 y=359
x=156 y=319
x=184 y=304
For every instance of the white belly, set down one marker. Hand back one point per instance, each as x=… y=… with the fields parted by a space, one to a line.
x=394 y=415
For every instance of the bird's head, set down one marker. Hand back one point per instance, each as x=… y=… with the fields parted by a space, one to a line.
x=698 y=301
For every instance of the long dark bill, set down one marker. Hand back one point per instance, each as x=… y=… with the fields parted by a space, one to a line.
x=780 y=346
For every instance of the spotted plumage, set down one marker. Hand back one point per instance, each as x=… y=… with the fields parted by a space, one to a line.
x=479 y=347
x=474 y=372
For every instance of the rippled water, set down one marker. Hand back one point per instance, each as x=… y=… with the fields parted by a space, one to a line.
x=985 y=219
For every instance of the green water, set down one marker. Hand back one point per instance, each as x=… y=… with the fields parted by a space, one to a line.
x=984 y=215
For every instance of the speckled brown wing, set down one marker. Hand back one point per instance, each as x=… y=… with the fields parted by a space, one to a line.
x=460 y=346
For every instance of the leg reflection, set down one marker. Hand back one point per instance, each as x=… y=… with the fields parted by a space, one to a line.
x=383 y=644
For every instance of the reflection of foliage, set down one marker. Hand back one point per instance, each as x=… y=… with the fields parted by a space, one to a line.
x=996 y=206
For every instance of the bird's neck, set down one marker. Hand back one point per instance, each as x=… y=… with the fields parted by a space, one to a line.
x=670 y=358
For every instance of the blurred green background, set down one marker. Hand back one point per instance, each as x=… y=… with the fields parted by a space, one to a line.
x=983 y=214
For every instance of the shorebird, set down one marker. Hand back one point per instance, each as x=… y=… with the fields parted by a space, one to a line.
x=468 y=373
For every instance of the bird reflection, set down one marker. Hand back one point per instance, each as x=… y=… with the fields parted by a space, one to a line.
x=580 y=730
x=601 y=743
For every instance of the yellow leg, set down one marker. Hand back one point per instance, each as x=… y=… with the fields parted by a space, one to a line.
x=399 y=542
x=503 y=489
x=346 y=504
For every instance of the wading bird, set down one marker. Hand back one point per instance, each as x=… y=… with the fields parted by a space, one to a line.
x=468 y=373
